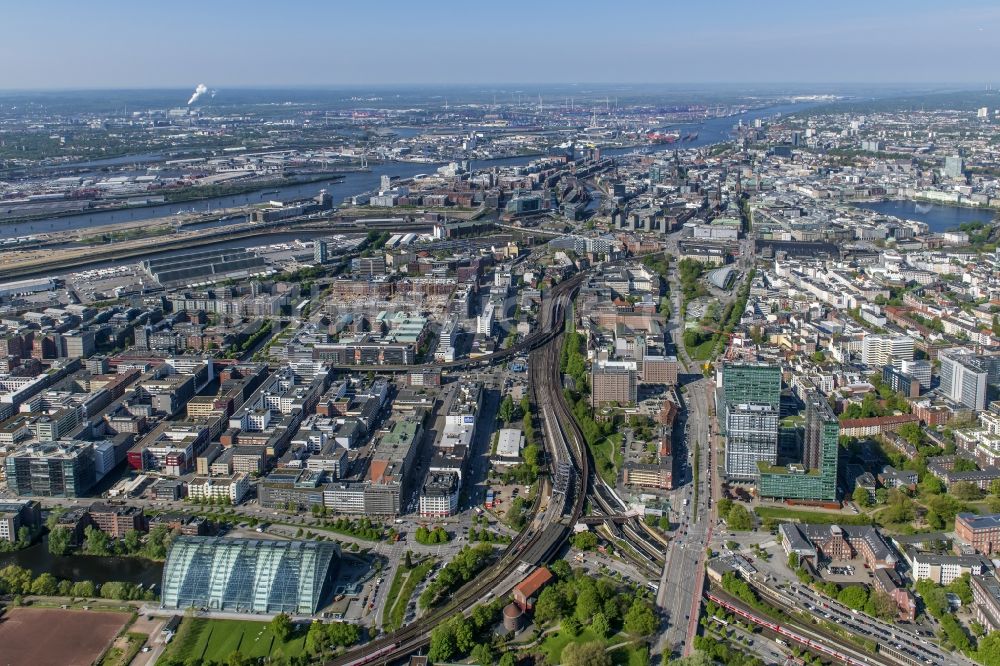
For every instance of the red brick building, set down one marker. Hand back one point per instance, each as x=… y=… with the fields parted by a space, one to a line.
x=526 y=591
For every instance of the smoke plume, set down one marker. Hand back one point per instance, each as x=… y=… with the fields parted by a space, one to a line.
x=198 y=92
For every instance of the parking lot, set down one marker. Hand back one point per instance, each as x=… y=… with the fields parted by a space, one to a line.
x=844 y=572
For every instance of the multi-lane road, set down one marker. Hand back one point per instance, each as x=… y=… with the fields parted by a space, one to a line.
x=913 y=645
x=682 y=579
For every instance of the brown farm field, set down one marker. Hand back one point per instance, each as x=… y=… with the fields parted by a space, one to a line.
x=39 y=636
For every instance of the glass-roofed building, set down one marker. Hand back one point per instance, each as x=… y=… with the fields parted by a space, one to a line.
x=248 y=575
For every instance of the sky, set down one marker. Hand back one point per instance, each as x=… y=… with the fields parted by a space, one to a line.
x=59 y=44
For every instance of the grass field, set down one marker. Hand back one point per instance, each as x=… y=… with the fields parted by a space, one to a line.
x=393 y=619
x=702 y=352
x=806 y=516
x=215 y=640
x=554 y=644
x=626 y=655
x=608 y=457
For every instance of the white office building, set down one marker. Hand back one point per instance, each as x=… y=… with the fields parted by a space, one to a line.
x=878 y=351
x=963 y=377
x=751 y=438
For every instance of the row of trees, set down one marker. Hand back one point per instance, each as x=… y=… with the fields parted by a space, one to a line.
x=936 y=604
x=15 y=580
x=463 y=567
x=363 y=528
x=486 y=536
x=429 y=537
x=154 y=546
x=527 y=472
x=472 y=636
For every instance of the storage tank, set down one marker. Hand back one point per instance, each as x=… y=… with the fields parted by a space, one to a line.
x=512 y=615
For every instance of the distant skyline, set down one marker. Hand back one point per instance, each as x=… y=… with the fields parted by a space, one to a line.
x=228 y=43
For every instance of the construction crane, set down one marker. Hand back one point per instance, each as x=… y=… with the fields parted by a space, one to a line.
x=730 y=348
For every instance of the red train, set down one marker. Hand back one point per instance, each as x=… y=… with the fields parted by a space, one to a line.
x=784 y=631
x=388 y=649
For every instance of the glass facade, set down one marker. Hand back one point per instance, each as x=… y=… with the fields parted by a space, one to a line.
x=751 y=437
x=816 y=477
x=248 y=575
x=751 y=382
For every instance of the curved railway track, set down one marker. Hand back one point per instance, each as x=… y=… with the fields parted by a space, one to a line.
x=409 y=639
x=545 y=347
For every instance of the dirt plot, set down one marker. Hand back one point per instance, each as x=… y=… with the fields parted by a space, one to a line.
x=36 y=636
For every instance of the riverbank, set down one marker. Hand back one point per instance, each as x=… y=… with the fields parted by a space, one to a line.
x=937 y=216
x=189 y=195
x=711 y=131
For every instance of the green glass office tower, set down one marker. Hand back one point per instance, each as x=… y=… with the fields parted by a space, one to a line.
x=816 y=477
x=751 y=382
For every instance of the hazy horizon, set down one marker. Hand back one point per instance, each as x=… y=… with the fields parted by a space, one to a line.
x=121 y=46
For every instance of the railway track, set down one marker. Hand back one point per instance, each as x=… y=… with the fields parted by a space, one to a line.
x=538 y=537
x=648 y=545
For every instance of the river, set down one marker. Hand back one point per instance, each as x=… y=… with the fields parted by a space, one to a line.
x=710 y=131
x=39 y=560
x=938 y=217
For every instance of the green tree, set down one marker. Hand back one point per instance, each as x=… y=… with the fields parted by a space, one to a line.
x=899 y=508
x=483 y=655
x=443 y=646
x=912 y=432
x=600 y=626
x=59 y=540
x=592 y=653
x=281 y=626
x=550 y=605
x=853 y=596
x=506 y=411
x=739 y=518
x=639 y=619
x=860 y=496
x=465 y=638
x=962 y=587
x=343 y=633
x=585 y=540
x=84 y=588
x=95 y=542
x=316 y=638
x=45 y=585
x=588 y=604
x=507 y=659
x=989 y=649
x=881 y=605
x=561 y=570
x=157 y=542
x=132 y=541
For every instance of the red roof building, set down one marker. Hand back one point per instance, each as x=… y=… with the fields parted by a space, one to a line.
x=525 y=591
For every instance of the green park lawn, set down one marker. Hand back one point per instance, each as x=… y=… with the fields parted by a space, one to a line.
x=215 y=640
